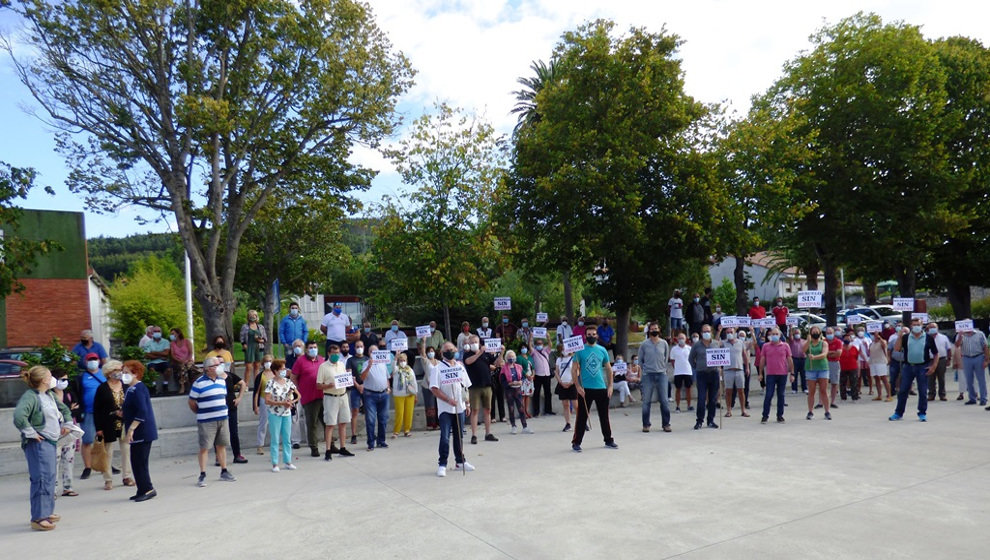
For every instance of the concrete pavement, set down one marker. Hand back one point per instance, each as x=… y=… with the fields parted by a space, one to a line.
x=856 y=487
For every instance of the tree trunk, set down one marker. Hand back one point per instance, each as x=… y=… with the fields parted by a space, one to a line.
x=568 y=297
x=831 y=282
x=870 y=292
x=622 y=330
x=271 y=314
x=739 y=278
x=906 y=281
x=960 y=298
x=811 y=275
x=446 y=321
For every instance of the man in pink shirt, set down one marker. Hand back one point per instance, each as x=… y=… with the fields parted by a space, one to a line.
x=775 y=365
x=304 y=373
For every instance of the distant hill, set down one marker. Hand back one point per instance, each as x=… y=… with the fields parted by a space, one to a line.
x=111 y=256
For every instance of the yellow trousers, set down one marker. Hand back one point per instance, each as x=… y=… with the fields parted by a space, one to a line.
x=403 y=412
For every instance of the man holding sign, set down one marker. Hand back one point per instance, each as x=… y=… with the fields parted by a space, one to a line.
x=706 y=376
x=333 y=379
x=376 y=388
x=593 y=379
x=448 y=380
x=479 y=365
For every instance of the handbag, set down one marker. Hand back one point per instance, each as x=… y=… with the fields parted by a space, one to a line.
x=98 y=454
x=527 y=387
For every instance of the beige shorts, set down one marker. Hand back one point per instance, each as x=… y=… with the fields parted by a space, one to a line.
x=336 y=409
x=481 y=398
x=213 y=433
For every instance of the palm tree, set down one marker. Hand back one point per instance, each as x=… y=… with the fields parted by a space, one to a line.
x=543 y=74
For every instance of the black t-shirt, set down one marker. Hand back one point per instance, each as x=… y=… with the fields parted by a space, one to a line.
x=480 y=371
x=356 y=365
x=232 y=381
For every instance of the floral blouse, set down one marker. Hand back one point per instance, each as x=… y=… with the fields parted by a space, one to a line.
x=279 y=390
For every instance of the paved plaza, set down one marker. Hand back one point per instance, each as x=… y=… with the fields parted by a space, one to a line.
x=856 y=487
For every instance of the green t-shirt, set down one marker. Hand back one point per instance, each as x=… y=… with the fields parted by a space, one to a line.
x=592 y=361
x=526 y=362
x=820 y=364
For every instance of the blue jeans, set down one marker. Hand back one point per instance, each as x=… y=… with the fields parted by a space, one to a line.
x=910 y=372
x=973 y=367
x=375 y=411
x=280 y=434
x=447 y=425
x=775 y=384
x=655 y=383
x=41 y=468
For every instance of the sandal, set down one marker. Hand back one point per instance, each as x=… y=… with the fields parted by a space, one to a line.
x=728 y=414
x=406 y=434
x=70 y=493
x=54 y=518
x=745 y=415
x=128 y=482
x=108 y=485
x=42 y=525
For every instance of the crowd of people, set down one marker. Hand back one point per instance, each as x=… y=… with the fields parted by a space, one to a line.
x=460 y=382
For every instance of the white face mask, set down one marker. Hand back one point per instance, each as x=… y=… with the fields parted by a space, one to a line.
x=297 y=351
x=62 y=384
x=127 y=378
x=93 y=365
x=52 y=383
x=359 y=351
x=475 y=346
x=467 y=347
x=268 y=365
x=431 y=354
x=282 y=373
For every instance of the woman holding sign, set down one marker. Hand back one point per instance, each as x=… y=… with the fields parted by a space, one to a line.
x=565 y=385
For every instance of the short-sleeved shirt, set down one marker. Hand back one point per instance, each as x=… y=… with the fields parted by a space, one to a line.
x=210 y=396
x=90 y=382
x=160 y=345
x=279 y=391
x=355 y=365
x=834 y=345
x=592 y=360
x=480 y=371
x=453 y=390
x=776 y=357
x=306 y=369
x=736 y=348
x=541 y=362
x=336 y=326
x=81 y=351
x=780 y=314
x=231 y=382
x=974 y=344
x=676 y=306
x=758 y=312
x=850 y=356
x=377 y=379
x=681 y=356
x=326 y=373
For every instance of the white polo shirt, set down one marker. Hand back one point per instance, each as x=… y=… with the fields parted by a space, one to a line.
x=336 y=326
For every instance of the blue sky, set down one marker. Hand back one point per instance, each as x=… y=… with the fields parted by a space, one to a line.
x=470 y=53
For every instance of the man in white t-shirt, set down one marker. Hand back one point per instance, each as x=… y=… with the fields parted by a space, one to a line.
x=335 y=326
x=680 y=356
x=449 y=382
x=675 y=306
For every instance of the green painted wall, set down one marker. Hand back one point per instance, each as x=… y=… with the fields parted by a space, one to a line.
x=68 y=229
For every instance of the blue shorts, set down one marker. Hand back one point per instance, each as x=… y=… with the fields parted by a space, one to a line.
x=812 y=375
x=89 y=429
x=355 y=398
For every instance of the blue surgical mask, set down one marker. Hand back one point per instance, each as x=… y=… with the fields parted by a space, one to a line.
x=524 y=350
x=282 y=373
x=336 y=311
x=706 y=335
x=525 y=324
x=511 y=360
x=294 y=312
x=505 y=320
x=311 y=352
x=830 y=336
x=156 y=336
x=916 y=329
x=297 y=351
x=171 y=337
x=539 y=347
x=933 y=331
x=696 y=300
x=774 y=338
x=367 y=329
x=395 y=328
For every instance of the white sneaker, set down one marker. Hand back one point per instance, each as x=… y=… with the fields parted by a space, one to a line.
x=513 y=430
x=527 y=430
x=274 y=468
x=290 y=467
x=441 y=471
x=468 y=467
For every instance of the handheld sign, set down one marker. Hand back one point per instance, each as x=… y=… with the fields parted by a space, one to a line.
x=573 y=344
x=729 y=321
x=620 y=368
x=541 y=317
x=922 y=316
x=767 y=323
x=966 y=325
x=903 y=304
x=717 y=357
x=399 y=344
x=448 y=375
x=809 y=299
x=854 y=320
x=493 y=344
x=503 y=304
x=423 y=332
x=341 y=380
x=792 y=321
x=381 y=357
x=744 y=322
x=540 y=332
x=874 y=326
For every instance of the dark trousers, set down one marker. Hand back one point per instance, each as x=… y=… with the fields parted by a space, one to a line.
x=448 y=425
x=140 y=452
x=910 y=373
x=694 y=328
x=314 y=415
x=746 y=391
x=599 y=398
x=938 y=376
x=849 y=383
x=235 y=440
x=513 y=398
x=707 y=382
x=541 y=384
x=799 y=375
x=776 y=384
x=895 y=373
x=498 y=399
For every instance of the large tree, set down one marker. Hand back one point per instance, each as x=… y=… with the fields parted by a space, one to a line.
x=608 y=179
x=201 y=109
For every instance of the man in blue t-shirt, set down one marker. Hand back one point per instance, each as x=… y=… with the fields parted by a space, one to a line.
x=593 y=380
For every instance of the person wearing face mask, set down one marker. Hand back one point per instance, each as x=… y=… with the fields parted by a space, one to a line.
x=944 y=353
x=619 y=382
x=849 y=367
x=816 y=351
x=281 y=397
x=221 y=351
x=436 y=337
x=298 y=349
x=706 y=304
x=542 y=374
x=635 y=376
x=680 y=356
x=920 y=360
x=393 y=332
x=304 y=374
x=258 y=405
x=88 y=346
x=798 y=355
x=182 y=358
x=780 y=313
x=654 y=354
x=564 y=330
x=512 y=376
x=107 y=413
x=734 y=375
x=862 y=342
x=448 y=381
x=140 y=427
x=974 y=353
x=757 y=311
x=376 y=390
x=695 y=314
x=580 y=329
x=292 y=327
x=706 y=378
x=878 y=368
x=368 y=337
x=484 y=331
x=524 y=359
x=478 y=363
x=776 y=364
x=593 y=379
x=89 y=381
x=606 y=336
x=749 y=343
x=336 y=408
x=335 y=325
x=717 y=316
x=355 y=365
x=462 y=337
x=506 y=330
x=675 y=312
x=41 y=420
x=66 y=393
x=208 y=401
x=157 y=352
x=254 y=342
x=428 y=359
x=236 y=388
x=404 y=389
x=565 y=389
x=834 y=353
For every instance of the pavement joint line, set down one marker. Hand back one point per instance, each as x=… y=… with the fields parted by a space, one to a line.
x=433 y=511
x=828 y=510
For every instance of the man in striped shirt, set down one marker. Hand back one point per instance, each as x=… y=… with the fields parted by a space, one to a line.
x=208 y=399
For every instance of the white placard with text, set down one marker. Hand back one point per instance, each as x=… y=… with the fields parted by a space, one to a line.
x=717 y=357
x=541 y=317
x=767 y=323
x=540 y=332
x=874 y=326
x=493 y=344
x=399 y=344
x=381 y=357
x=448 y=375
x=503 y=304
x=922 y=316
x=854 y=320
x=423 y=332
x=966 y=325
x=903 y=304
x=341 y=380
x=620 y=368
x=573 y=344
x=810 y=299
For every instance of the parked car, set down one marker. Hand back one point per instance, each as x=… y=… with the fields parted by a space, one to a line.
x=11 y=368
x=887 y=313
x=18 y=352
x=807 y=320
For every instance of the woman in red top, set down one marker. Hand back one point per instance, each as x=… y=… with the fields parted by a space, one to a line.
x=849 y=367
